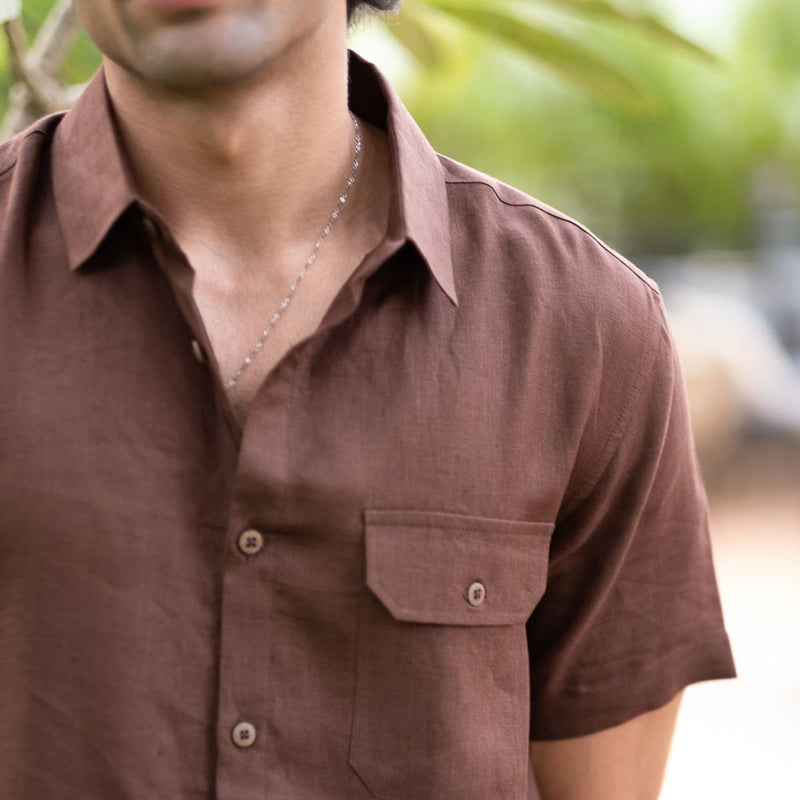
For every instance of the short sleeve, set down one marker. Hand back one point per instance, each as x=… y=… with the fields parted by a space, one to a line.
x=631 y=613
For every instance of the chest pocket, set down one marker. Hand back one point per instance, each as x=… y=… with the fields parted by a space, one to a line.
x=441 y=699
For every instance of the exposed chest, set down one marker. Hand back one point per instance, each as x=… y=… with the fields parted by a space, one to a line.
x=256 y=318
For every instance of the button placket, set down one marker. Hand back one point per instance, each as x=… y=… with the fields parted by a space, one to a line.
x=248 y=626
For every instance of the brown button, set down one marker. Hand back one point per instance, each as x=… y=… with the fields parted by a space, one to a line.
x=198 y=353
x=476 y=594
x=150 y=227
x=251 y=542
x=243 y=735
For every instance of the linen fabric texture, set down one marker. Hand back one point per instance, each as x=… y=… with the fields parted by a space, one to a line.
x=492 y=398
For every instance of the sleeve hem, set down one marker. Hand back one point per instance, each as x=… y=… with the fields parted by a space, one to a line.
x=639 y=688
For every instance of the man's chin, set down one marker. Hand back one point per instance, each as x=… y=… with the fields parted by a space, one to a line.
x=182 y=62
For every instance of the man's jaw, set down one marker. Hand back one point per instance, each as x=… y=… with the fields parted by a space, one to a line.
x=177 y=6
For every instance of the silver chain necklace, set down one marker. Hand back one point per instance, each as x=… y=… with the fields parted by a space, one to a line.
x=283 y=305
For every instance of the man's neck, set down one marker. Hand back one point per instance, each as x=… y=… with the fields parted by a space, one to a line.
x=249 y=169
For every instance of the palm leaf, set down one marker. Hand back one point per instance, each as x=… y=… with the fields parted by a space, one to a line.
x=570 y=58
x=419 y=39
x=647 y=24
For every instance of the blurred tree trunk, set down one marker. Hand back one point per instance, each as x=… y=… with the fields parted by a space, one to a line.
x=36 y=90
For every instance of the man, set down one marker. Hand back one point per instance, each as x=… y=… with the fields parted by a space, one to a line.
x=331 y=468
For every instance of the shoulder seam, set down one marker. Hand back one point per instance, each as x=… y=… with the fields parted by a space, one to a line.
x=562 y=218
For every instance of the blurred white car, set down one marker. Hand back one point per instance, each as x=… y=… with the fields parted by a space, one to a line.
x=739 y=376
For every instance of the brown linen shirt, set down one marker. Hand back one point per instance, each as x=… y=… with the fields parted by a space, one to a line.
x=465 y=510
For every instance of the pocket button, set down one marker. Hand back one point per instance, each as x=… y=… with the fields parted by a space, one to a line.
x=251 y=542
x=476 y=594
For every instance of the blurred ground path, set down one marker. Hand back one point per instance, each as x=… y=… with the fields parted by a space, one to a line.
x=741 y=739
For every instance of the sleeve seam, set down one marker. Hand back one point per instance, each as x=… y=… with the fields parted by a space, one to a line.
x=617 y=434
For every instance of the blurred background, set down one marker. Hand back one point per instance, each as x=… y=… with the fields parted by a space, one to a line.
x=672 y=129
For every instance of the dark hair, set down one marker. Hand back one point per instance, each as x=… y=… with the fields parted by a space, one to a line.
x=355 y=6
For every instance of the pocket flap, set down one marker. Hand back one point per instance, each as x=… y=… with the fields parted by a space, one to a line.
x=421 y=565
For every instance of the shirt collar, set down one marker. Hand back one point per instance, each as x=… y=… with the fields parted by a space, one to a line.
x=93 y=183
x=419 y=210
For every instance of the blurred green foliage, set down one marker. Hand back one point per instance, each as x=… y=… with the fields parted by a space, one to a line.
x=674 y=179
x=618 y=123
x=535 y=28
